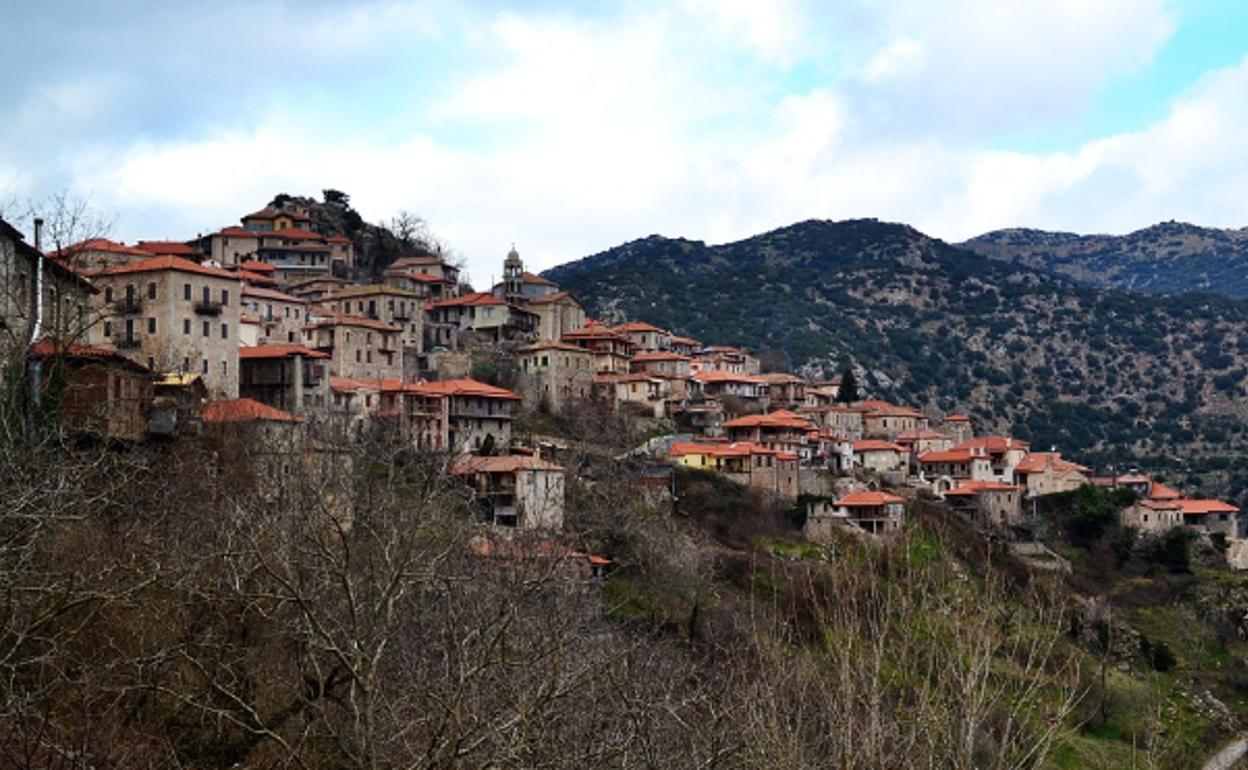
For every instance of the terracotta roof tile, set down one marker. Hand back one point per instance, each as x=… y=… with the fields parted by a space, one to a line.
x=245 y=410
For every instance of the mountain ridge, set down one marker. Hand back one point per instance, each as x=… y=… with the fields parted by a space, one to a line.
x=1112 y=377
x=1164 y=258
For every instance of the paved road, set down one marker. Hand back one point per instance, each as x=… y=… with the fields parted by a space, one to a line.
x=1229 y=755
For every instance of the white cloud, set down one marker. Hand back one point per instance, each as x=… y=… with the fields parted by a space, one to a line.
x=569 y=134
x=973 y=66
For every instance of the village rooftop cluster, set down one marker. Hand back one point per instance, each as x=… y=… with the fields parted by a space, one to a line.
x=271 y=323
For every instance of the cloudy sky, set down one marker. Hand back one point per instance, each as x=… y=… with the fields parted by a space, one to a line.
x=569 y=128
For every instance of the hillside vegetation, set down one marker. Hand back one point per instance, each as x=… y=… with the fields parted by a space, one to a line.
x=1105 y=376
x=1167 y=258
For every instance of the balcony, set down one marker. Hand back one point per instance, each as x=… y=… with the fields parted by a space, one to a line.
x=207 y=307
x=126 y=343
x=128 y=306
x=403 y=316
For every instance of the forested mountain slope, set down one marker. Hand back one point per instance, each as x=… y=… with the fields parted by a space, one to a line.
x=1106 y=376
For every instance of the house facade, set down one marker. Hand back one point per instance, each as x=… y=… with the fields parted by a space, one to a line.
x=170 y=314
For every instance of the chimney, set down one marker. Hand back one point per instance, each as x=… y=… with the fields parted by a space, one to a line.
x=39 y=233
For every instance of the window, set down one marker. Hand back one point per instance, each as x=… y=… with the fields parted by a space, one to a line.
x=108 y=329
x=224 y=368
x=108 y=294
x=204 y=366
x=151 y=326
x=151 y=291
x=151 y=363
x=207 y=328
x=225 y=296
x=186 y=326
x=225 y=331
x=186 y=365
x=186 y=291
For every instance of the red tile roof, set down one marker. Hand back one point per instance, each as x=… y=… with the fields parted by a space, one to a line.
x=1202 y=507
x=876 y=445
x=1036 y=462
x=971 y=488
x=157 y=264
x=637 y=326
x=863 y=499
x=957 y=418
x=338 y=239
x=734 y=449
x=351 y=320
x=48 y=347
x=347 y=384
x=281 y=350
x=256 y=266
x=100 y=244
x=245 y=410
x=955 y=455
x=261 y=293
x=466 y=387
x=995 y=444
x=1161 y=491
x=554 y=297
x=781 y=418
x=162 y=248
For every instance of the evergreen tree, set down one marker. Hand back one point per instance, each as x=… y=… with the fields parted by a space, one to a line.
x=848 y=392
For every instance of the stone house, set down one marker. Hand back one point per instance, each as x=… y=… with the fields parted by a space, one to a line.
x=781 y=430
x=887 y=421
x=1153 y=516
x=880 y=456
x=65 y=313
x=557 y=314
x=280 y=317
x=477 y=413
x=1211 y=516
x=96 y=254
x=1046 y=473
x=1004 y=454
x=686 y=346
x=612 y=351
x=661 y=363
x=946 y=469
x=315 y=289
x=486 y=315
x=353 y=406
x=644 y=336
x=784 y=390
x=646 y=391
x=923 y=440
x=358 y=348
x=957 y=427
x=426 y=275
x=98 y=392
x=992 y=503
x=171 y=314
x=743 y=462
x=718 y=384
x=399 y=308
x=875 y=512
x=288 y=377
x=522 y=491
x=555 y=375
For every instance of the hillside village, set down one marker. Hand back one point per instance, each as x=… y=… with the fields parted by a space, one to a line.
x=271 y=326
